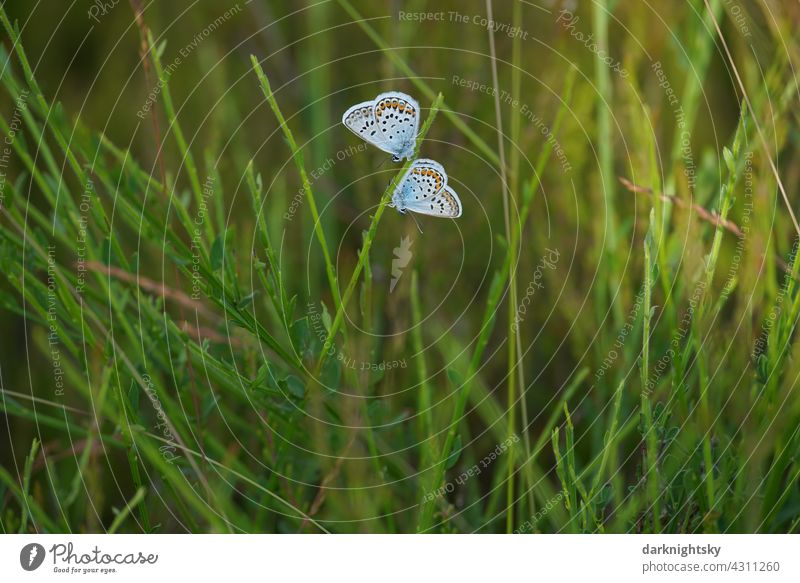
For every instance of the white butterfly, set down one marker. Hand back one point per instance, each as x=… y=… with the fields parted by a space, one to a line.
x=423 y=189
x=389 y=122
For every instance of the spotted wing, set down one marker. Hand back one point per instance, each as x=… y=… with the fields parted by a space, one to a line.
x=444 y=203
x=424 y=190
x=397 y=117
x=360 y=119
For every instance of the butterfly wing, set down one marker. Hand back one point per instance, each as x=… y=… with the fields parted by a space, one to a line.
x=397 y=117
x=424 y=190
x=444 y=203
x=360 y=119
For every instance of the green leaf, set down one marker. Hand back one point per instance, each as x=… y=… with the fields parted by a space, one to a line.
x=217 y=253
x=326 y=317
x=133 y=398
x=261 y=376
x=162 y=46
x=455 y=378
x=295 y=387
x=729 y=160
x=331 y=374
x=169 y=251
x=455 y=452
x=247 y=300
x=299 y=333
x=209 y=404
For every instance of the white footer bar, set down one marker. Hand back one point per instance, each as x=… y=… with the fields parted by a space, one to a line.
x=401 y=558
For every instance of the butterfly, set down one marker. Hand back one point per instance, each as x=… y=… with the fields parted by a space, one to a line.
x=423 y=189
x=389 y=122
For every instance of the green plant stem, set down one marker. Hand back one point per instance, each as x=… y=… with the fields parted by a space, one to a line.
x=125 y=512
x=514 y=163
x=424 y=400
x=731 y=158
x=492 y=303
x=26 y=486
x=363 y=255
x=183 y=147
x=605 y=147
x=297 y=156
x=511 y=238
x=648 y=431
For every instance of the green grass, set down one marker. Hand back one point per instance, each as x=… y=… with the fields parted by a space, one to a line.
x=203 y=336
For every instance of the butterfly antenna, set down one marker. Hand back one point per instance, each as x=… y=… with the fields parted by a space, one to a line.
x=416 y=223
x=379 y=166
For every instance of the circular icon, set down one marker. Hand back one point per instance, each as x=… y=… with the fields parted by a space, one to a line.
x=31 y=556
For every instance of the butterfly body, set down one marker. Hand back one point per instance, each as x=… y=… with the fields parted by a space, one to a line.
x=424 y=190
x=389 y=122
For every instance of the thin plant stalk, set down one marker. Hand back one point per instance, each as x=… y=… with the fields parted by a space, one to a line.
x=495 y=295
x=297 y=156
x=363 y=255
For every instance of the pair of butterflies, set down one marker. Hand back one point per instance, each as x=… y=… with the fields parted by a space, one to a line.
x=390 y=122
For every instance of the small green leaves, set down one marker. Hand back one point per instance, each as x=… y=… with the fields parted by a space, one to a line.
x=247 y=300
x=218 y=249
x=301 y=337
x=293 y=386
x=265 y=379
x=326 y=317
x=730 y=162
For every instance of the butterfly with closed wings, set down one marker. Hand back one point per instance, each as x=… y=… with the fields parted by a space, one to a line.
x=423 y=189
x=389 y=122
